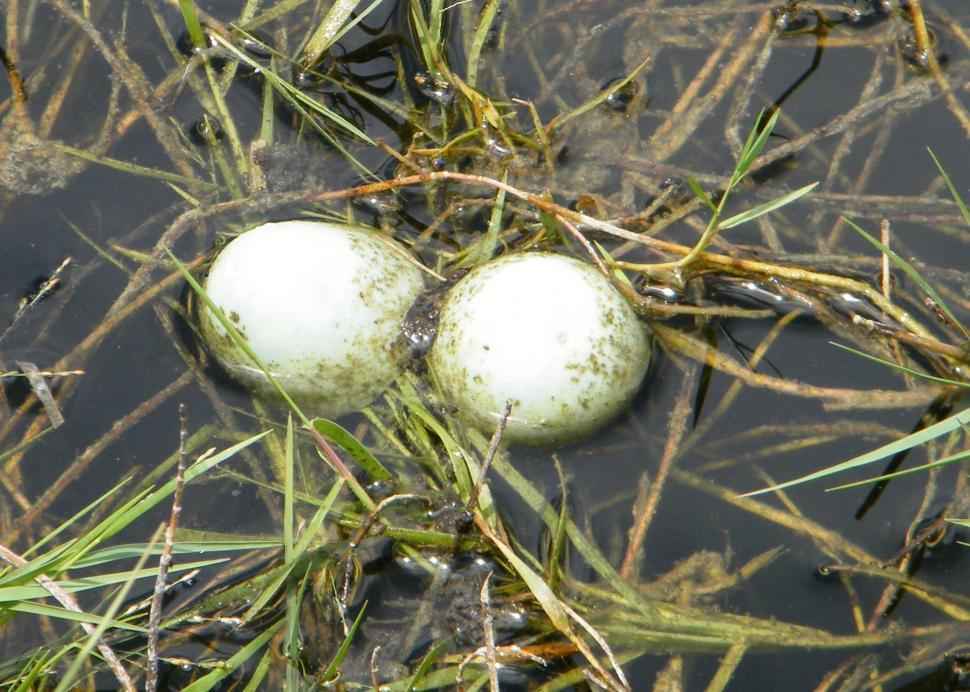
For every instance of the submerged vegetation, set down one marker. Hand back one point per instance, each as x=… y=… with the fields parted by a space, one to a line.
x=401 y=549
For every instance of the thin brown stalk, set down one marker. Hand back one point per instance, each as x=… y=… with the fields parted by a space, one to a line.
x=493 y=445
x=488 y=630
x=676 y=430
x=165 y=560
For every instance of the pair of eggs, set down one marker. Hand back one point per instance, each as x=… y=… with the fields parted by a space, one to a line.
x=322 y=306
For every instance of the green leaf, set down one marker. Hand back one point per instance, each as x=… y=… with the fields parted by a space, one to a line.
x=953 y=190
x=767 y=207
x=342 y=437
x=213 y=678
x=338 y=658
x=700 y=193
x=903 y=368
x=65 y=614
x=953 y=458
x=954 y=422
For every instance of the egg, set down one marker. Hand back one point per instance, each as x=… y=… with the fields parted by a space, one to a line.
x=320 y=304
x=547 y=332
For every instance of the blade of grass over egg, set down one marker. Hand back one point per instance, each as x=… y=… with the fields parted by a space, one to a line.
x=767 y=207
x=964 y=211
x=484 y=249
x=288 y=493
x=901 y=368
x=954 y=422
x=910 y=272
x=243 y=346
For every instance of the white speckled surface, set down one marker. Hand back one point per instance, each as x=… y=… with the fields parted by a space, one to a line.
x=548 y=332
x=321 y=304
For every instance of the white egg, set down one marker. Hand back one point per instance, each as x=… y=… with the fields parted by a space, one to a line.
x=320 y=304
x=548 y=332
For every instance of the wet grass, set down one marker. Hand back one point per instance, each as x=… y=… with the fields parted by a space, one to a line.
x=435 y=146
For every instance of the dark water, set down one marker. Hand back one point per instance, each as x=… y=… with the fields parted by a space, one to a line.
x=882 y=171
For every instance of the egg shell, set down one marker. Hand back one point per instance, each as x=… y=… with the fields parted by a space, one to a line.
x=548 y=332
x=321 y=304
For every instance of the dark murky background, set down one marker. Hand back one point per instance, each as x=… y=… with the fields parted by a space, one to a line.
x=583 y=46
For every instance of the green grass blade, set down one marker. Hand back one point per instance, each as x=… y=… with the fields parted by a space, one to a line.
x=953 y=458
x=212 y=679
x=288 y=492
x=902 y=368
x=131 y=550
x=910 y=272
x=73 y=616
x=953 y=190
x=350 y=444
x=192 y=23
x=13 y=594
x=954 y=422
x=767 y=207
x=486 y=18
x=754 y=145
x=326 y=33
x=338 y=658
x=701 y=194
x=67 y=681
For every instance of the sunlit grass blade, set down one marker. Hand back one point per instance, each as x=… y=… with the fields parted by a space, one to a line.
x=700 y=193
x=901 y=368
x=133 y=550
x=326 y=33
x=964 y=211
x=350 y=444
x=67 y=681
x=767 y=207
x=212 y=679
x=954 y=422
x=50 y=611
x=14 y=594
x=192 y=24
x=133 y=168
x=910 y=272
x=952 y=459
x=333 y=667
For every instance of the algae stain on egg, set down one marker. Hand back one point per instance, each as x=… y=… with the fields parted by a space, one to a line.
x=321 y=304
x=547 y=332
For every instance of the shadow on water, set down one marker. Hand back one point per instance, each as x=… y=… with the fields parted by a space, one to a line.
x=115 y=143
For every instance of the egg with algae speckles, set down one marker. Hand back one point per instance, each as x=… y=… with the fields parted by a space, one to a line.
x=548 y=333
x=320 y=304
